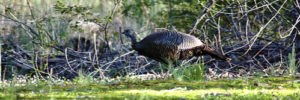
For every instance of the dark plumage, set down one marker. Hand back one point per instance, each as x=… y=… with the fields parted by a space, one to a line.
x=168 y=46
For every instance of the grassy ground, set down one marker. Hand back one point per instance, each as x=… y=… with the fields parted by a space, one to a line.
x=250 y=88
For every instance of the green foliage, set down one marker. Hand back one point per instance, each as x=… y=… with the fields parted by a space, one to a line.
x=194 y=72
x=292 y=67
x=83 y=78
x=63 y=9
x=184 y=12
x=75 y=11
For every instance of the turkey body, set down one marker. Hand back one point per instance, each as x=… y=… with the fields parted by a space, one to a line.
x=168 y=46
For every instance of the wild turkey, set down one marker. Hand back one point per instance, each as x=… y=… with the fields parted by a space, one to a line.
x=168 y=46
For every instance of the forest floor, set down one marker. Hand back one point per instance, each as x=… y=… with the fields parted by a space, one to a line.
x=285 y=87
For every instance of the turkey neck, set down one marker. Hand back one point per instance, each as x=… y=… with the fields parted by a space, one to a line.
x=133 y=41
x=208 y=50
x=214 y=53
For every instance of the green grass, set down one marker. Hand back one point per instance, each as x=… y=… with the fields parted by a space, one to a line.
x=254 y=88
x=292 y=66
x=193 y=72
x=169 y=94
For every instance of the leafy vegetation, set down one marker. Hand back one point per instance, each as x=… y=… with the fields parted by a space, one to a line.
x=194 y=72
x=292 y=62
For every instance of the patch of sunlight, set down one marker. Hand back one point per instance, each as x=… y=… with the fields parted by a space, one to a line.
x=194 y=94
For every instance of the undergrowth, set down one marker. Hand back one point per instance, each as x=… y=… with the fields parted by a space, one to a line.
x=190 y=72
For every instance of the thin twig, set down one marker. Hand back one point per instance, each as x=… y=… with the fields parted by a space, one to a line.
x=67 y=60
x=235 y=28
x=262 y=49
x=219 y=37
x=247 y=11
x=262 y=28
x=201 y=16
x=111 y=62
